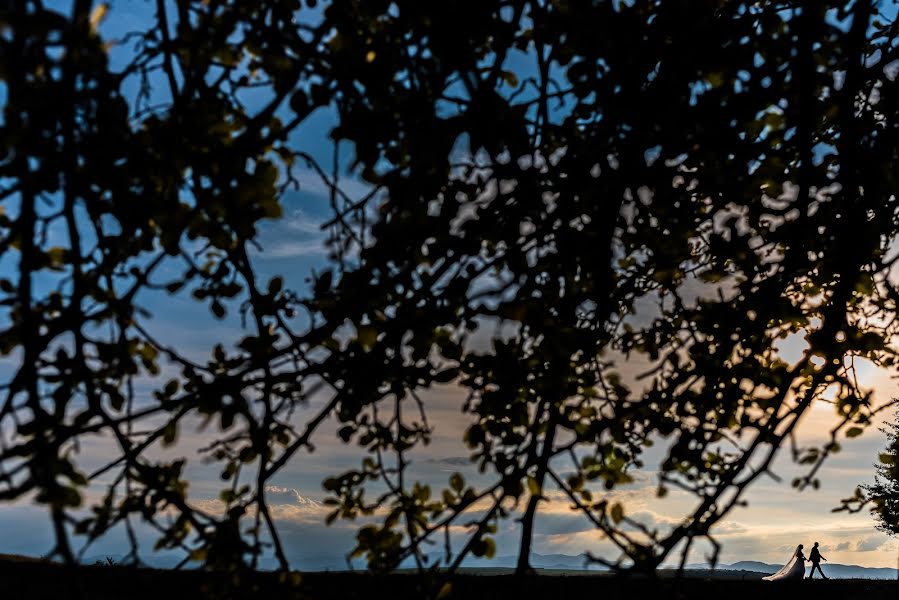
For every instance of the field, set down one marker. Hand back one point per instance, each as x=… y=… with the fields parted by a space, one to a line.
x=43 y=581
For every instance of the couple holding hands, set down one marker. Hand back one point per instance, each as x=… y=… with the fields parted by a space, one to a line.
x=795 y=568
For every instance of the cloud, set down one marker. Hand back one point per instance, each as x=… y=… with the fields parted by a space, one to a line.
x=456 y=461
x=870 y=544
x=295 y=235
x=551 y=525
x=842 y=547
x=283 y=495
x=285 y=505
x=729 y=528
x=293 y=249
x=310 y=182
x=653 y=520
x=302 y=222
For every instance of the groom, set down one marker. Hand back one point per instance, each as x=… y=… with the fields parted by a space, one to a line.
x=816 y=558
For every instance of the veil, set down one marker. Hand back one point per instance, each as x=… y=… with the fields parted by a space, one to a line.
x=786 y=568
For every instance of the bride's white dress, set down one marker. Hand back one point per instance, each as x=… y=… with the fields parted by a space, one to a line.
x=794 y=569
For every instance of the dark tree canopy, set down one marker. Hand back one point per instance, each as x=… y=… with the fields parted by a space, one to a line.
x=560 y=190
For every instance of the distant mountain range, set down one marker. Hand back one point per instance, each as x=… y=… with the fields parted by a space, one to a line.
x=835 y=570
x=564 y=562
x=580 y=563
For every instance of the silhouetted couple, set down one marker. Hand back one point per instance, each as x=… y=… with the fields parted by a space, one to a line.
x=795 y=568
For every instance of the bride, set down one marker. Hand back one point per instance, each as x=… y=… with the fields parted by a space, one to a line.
x=794 y=569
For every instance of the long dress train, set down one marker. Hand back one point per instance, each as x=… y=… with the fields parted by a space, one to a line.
x=794 y=569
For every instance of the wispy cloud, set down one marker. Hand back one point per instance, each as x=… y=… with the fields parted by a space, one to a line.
x=311 y=183
x=298 y=234
x=456 y=461
x=293 y=249
x=302 y=222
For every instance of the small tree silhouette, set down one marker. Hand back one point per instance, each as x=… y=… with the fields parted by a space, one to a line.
x=107 y=562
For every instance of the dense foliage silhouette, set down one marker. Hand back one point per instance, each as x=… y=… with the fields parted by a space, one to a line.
x=559 y=191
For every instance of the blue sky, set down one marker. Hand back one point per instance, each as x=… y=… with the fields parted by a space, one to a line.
x=776 y=519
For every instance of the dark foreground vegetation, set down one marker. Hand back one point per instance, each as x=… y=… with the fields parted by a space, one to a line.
x=45 y=581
